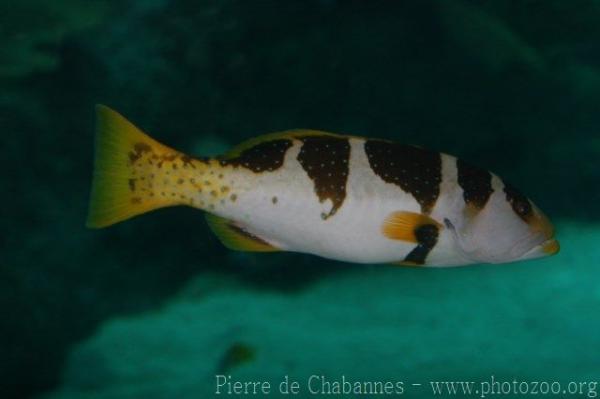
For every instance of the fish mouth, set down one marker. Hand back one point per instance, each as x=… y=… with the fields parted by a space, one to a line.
x=549 y=247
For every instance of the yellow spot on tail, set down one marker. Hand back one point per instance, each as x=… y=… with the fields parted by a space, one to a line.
x=236 y=238
x=401 y=225
x=124 y=172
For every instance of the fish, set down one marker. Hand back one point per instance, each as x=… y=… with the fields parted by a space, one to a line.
x=341 y=197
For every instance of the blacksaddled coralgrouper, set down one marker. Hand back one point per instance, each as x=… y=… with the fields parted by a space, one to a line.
x=341 y=197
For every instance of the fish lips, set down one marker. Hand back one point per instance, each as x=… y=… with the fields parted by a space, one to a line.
x=549 y=247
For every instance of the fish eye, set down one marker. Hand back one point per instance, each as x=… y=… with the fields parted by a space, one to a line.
x=520 y=204
x=522 y=208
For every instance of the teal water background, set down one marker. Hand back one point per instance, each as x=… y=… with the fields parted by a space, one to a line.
x=156 y=306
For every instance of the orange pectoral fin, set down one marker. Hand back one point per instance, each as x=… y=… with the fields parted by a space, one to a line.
x=401 y=225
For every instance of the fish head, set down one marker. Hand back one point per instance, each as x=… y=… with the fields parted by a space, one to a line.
x=509 y=228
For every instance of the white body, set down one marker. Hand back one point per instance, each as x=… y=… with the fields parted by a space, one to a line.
x=294 y=221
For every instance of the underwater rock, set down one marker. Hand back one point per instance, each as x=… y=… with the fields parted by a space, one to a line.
x=372 y=324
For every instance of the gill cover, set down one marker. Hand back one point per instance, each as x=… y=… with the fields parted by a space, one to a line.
x=498 y=233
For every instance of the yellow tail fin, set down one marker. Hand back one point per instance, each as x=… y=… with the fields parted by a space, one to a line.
x=132 y=172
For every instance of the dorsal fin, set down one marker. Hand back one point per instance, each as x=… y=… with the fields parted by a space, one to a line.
x=236 y=238
x=286 y=134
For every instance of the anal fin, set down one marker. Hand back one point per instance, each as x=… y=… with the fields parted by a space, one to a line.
x=235 y=237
